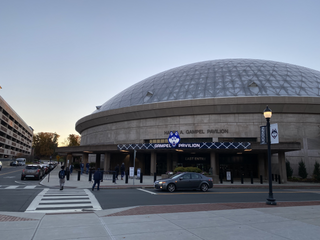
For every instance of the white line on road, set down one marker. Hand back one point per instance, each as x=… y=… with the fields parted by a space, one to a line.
x=143 y=190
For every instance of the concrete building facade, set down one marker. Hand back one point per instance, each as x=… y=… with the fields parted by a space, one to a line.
x=217 y=109
x=15 y=135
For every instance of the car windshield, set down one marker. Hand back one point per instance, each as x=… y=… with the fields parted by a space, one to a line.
x=176 y=175
x=32 y=167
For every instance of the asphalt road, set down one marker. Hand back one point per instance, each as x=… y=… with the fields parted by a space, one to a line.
x=19 y=198
x=11 y=175
x=117 y=198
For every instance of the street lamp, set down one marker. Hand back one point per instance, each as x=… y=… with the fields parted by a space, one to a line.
x=267 y=115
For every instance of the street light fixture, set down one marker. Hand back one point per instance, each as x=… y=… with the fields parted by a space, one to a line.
x=267 y=114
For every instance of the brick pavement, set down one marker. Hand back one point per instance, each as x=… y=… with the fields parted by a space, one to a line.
x=6 y=218
x=142 y=210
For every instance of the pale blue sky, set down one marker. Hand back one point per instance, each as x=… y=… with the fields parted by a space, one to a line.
x=60 y=59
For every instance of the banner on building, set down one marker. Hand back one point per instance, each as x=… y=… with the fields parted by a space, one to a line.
x=274 y=133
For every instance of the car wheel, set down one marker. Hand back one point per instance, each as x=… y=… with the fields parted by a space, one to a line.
x=204 y=187
x=171 y=187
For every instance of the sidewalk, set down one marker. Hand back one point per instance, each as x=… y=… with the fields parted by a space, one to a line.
x=223 y=221
x=275 y=222
x=149 y=180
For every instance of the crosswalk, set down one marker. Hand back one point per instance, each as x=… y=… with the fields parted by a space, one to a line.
x=20 y=186
x=68 y=200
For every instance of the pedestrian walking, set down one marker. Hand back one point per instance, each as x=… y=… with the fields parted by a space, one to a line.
x=97 y=177
x=122 y=170
x=87 y=167
x=116 y=169
x=62 y=175
x=71 y=168
x=81 y=167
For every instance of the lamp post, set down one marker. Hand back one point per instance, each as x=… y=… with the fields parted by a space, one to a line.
x=267 y=114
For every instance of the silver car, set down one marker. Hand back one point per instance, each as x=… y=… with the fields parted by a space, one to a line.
x=32 y=171
x=183 y=181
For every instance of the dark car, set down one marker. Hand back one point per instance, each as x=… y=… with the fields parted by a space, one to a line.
x=32 y=171
x=184 y=181
x=14 y=163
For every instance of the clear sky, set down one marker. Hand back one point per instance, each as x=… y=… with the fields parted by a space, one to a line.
x=59 y=59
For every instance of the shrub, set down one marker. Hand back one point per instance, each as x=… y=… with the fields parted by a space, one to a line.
x=179 y=169
x=316 y=171
x=302 y=170
x=289 y=169
x=187 y=169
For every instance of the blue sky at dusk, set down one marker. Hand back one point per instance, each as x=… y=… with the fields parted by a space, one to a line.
x=60 y=59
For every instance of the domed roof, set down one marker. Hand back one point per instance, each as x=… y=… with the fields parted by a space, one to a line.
x=220 y=78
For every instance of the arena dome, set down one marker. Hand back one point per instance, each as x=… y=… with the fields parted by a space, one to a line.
x=220 y=78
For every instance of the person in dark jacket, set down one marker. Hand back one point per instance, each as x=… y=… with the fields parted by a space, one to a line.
x=117 y=171
x=97 y=177
x=122 y=169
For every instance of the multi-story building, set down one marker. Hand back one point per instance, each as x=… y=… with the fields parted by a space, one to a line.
x=15 y=135
x=215 y=108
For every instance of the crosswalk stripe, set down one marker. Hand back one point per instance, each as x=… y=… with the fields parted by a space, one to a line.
x=71 y=200
x=30 y=187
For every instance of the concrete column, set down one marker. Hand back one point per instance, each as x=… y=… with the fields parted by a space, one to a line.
x=85 y=157
x=174 y=160
x=69 y=157
x=153 y=167
x=261 y=166
x=98 y=158
x=106 y=165
x=282 y=166
x=169 y=162
x=213 y=163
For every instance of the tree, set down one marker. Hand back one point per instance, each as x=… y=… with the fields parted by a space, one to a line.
x=289 y=169
x=302 y=170
x=44 y=144
x=73 y=140
x=316 y=171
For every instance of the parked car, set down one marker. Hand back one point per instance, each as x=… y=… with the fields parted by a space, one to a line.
x=21 y=161
x=14 y=163
x=184 y=181
x=0 y=165
x=32 y=171
x=45 y=168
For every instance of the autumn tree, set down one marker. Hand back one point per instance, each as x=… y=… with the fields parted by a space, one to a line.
x=73 y=140
x=44 y=144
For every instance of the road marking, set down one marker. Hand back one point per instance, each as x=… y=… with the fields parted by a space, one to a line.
x=12 y=187
x=10 y=172
x=181 y=193
x=30 y=186
x=69 y=200
x=143 y=190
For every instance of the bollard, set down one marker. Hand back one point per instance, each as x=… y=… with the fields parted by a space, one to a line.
x=141 y=177
x=276 y=177
x=90 y=175
x=251 y=176
x=231 y=177
x=154 y=177
x=114 y=177
x=79 y=173
x=279 y=179
x=221 y=180
x=272 y=177
x=261 y=179
x=127 y=177
x=68 y=175
x=101 y=175
x=241 y=178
